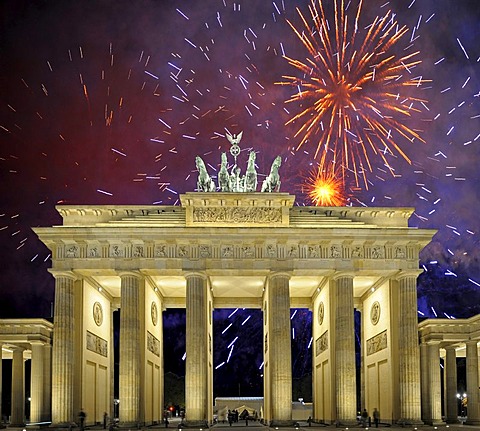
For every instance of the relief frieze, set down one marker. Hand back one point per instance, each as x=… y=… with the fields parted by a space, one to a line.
x=335 y=251
x=377 y=343
x=312 y=252
x=182 y=251
x=321 y=343
x=72 y=251
x=378 y=252
x=161 y=251
x=237 y=215
x=97 y=344
x=227 y=251
x=138 y=251
x=116 y=251
x=205 y=251
x=271 y=250
x=94 y=251
x=153 y=344
x=250 y=251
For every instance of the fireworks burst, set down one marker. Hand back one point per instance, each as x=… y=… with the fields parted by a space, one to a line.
x=325 y=188
x=352 y=91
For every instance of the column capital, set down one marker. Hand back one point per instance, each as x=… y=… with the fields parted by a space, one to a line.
x=191 y=274
x=136 y=274
x=63 y=274
x=342 y=274
x=471 y=342
x=431 y=342
x=39 y=343
x=410 y=273
x=276 y=274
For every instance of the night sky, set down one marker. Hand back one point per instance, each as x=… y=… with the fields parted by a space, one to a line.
x=108 y=102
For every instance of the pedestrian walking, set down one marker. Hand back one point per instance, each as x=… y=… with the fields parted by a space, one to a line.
x=364 y=418
x=81 y=416
x=376 y=417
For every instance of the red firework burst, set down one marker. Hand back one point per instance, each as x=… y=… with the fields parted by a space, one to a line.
x=354 y=91
x=325 y=189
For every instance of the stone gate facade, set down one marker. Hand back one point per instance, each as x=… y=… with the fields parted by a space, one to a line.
x=224 y=250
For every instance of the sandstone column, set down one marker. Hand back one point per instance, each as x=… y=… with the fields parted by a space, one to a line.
x=408 y=350
x=37 y=383
x=63 y=354
x=18 y=389
x=451 y=385
x=434 y=385
x=130 y=369
x=473 y=417
x=280 y=348
x=196 y=384
x=344 y=350
x=47 y=382
x=359 y=308
x=111 y=407
x=424 y=377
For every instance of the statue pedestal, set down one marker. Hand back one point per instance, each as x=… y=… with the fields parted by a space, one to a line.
x=237 y=209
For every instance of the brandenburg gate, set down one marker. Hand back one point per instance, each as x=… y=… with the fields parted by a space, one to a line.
x=234 y=249
x=231 y=248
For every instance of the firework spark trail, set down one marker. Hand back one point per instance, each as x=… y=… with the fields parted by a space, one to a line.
x=354 y=88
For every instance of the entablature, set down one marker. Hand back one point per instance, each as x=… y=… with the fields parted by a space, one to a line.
x=450 y=331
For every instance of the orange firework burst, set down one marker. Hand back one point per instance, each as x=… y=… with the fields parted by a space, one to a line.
x=325 y=189
x=353 y=89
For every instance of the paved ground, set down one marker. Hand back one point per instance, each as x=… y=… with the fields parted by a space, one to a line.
x=302 y=426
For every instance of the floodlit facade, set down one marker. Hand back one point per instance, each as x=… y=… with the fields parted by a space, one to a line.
x=228 y=250
x=449 y=339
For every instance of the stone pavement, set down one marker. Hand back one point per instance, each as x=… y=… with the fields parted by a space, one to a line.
x=174 y=425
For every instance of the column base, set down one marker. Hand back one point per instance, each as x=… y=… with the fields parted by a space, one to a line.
x=347 y=423
x=63 y=425
x=435 y=422
x=275 y=423
x=453 y=421
x=129 y=425
x=200 y=424
x=403 y=422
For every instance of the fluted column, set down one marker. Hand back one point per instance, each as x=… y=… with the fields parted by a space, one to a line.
x=196 y=385
x=435 y=407
x=18 y=389
x=451 y=385
x=408 y=351
x=473 y=417
x=280 y=345
x=129 y=376
x=63 y=354
x=47 y=381
x=37 y=383
x=345 y=377
x=424 y=377
x=359 y=308
x=111 y=407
